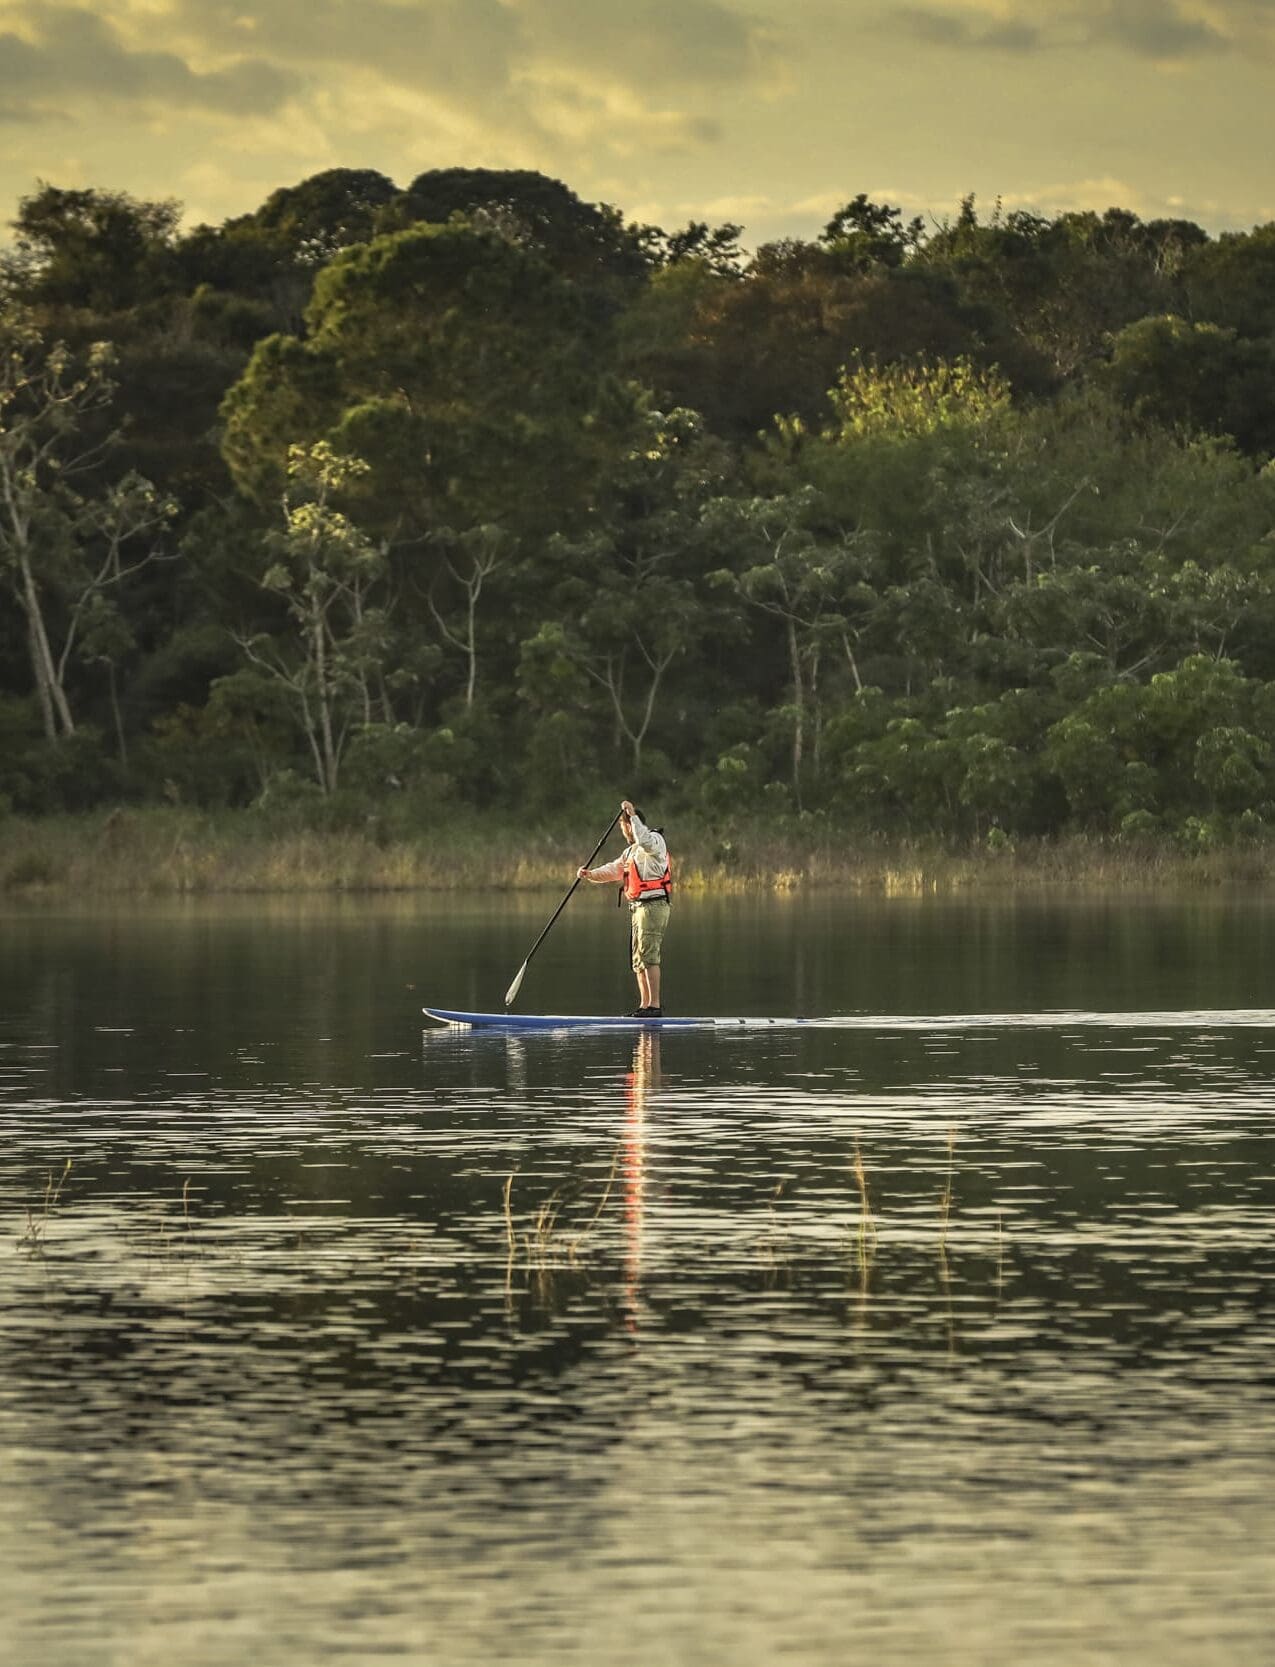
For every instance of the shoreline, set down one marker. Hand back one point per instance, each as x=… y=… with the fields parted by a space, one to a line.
x=177 y=852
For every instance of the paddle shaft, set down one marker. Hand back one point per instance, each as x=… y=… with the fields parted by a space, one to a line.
x=512 y=991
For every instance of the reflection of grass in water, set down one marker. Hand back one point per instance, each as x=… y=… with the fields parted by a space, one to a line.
x=945 y=1208
x=541 y=1239
x=593 y=1220
x=38 y=1225
x=509 y=1220
x=1000 y=1253
x=866 y=1233
x=774 y=1239
x=867 y=1222
x=945 y=1197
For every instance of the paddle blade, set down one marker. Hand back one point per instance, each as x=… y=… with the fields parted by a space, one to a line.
x=514 y=988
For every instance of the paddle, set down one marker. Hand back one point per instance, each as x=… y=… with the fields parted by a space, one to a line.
x=513 y=989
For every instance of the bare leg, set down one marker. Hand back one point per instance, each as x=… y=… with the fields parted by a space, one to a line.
x=644 y=987
x=653 y=986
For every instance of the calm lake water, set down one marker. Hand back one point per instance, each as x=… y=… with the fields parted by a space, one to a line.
x=348 y=1339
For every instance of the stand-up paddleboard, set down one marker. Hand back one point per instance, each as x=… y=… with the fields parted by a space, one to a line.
x=588 y=1021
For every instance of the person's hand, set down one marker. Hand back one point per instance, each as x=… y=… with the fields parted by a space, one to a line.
x=582 y=873
x=626 y=806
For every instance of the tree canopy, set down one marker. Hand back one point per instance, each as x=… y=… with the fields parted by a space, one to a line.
x=471 y=492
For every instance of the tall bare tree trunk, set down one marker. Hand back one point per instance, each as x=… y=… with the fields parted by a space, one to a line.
x=54 y=705
x=325 y=708
x=799 y=701
x=41 y=680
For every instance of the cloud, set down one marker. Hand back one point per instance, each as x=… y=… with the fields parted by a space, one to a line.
x=609 y=114
x=470 y=46
x=659 y=49
x=652 y=43
x=1165 y=31
x=68 y=57
x=738 y=209
x=747 y=107
x=1159 y=29
x=956 y=29
x=550 y=76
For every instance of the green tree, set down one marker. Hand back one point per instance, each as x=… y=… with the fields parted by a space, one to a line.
x=1187 y=745
x=777 y=342
x=628 y=599
x=97 y=251
x=65 y=551
x=812 y=582
x=472 y=560
x=715 y=249
x=326 y=570
x=268 y=259
x=1062 y=286
x=311 y=221
x=1198 y=377
x=1231 y=281
x=460 y=367
x=585 y=242
x=915 y=397
x=864 y=233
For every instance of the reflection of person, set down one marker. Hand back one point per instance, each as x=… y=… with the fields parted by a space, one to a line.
x=641 y=1080
x=642 y=869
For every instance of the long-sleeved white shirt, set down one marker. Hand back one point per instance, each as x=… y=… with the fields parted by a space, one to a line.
x=648 y=853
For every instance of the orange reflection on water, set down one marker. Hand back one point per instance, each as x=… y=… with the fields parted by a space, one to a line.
x=639 y=1084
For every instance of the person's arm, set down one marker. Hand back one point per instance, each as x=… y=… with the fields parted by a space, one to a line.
x=646 y=837
x=609 y=874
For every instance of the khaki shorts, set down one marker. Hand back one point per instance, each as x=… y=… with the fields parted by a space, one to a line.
x=649 y=921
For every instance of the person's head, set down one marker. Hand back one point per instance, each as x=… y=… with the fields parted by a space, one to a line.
x=626 y=823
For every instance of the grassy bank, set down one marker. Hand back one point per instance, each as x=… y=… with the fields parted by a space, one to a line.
x=164 y=851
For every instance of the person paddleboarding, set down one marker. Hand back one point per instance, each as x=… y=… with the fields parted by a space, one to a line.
x=644 y=875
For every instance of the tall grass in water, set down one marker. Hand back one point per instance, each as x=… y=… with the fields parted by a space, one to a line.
x=176 y=1240
x=173 y=850
x=167 y=852
x=546 y=1245
x=37 y=1227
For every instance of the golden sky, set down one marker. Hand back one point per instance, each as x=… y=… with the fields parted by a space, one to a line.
x=768 y=112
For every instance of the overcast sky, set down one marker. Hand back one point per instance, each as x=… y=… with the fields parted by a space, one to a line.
x=768 y=112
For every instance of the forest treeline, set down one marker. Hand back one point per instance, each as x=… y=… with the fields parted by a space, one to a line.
x=476 y=495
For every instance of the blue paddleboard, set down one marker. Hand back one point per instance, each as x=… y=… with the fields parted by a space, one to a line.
x=587 y=1021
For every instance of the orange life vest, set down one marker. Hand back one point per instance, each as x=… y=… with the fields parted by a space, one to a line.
x=638 y=890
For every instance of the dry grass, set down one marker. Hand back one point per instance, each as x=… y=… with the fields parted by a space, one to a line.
x=174 y=851
x=552 y=1243
x=38 y=1224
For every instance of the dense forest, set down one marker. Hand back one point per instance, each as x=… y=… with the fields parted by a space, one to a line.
x=474 y=494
